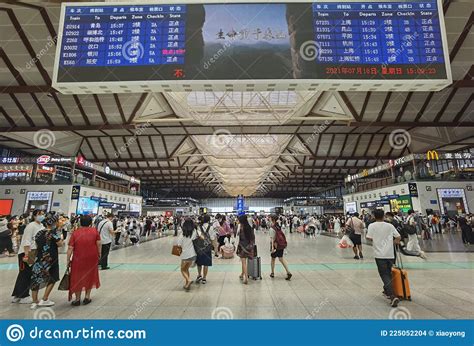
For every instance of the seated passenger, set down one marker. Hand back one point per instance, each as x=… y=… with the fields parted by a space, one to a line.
x=228 y=249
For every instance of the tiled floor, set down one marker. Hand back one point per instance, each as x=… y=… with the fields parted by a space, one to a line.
x=145 y=283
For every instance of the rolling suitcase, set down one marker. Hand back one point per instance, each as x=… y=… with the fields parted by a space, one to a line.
x=254 y=266
x=400 y=283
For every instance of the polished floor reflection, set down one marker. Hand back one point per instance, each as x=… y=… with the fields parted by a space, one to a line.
x=145 y=283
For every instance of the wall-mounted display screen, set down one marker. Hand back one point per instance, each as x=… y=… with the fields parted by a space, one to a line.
x=87 y=206
x=135 y=207
x=401 y=203
x=38 y=200
x=295 y=40
x=6 y=207
x=350 y=207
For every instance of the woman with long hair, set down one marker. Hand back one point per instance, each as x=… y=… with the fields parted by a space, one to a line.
x=188 y=254
x=245 y=249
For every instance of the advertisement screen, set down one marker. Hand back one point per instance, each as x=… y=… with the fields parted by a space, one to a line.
x=38 y=200
x=401 y=203
x=87 y=206
x=351 y=207
x=135 y=207
x=295 y=40
x=6 y=207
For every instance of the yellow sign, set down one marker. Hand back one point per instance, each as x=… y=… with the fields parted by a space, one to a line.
x=432 y=155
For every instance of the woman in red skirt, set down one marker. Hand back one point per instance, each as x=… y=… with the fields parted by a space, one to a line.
x=83 y=255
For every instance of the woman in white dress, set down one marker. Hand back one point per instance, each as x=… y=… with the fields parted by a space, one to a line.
x=337 y=225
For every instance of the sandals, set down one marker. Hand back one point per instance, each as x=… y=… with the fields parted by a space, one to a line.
x=76 y=303
x=198 y=279
x=288 y=277
x=204 y=281
x=86 y=301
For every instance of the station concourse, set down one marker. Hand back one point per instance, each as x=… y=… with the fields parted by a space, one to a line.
x=242 y=121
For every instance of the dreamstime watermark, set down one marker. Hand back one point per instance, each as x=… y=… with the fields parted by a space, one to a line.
x=132 y=51
x=317 y=130
x=317 y=309
x=310 y=50
x=399 y=313
x=15 y=333
x=399 y=139
x=139 y=130
x=140 y=306
x=44 y=139
x=49 y=43
x=220 y=138
x=222 y=313
x=217 y=55
x=44 y=313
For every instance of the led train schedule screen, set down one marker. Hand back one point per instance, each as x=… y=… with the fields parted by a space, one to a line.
x=298 y=40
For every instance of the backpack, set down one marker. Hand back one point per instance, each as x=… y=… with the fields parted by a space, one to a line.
x=280 y=239
x=203 y=246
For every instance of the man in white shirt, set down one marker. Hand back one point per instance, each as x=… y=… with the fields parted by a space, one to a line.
x=107 y=234
x=384 y=235
x=21 y=292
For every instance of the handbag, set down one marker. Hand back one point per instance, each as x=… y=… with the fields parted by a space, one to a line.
x=64 y=284
x=176 y=250
x=32 y=256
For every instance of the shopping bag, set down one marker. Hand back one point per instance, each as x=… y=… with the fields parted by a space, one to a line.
x=64 y=284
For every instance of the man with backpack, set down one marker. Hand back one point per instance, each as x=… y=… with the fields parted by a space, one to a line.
x=277 y=246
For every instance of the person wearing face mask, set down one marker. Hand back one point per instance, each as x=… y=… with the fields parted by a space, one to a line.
x=46 y=268
x=21 y=291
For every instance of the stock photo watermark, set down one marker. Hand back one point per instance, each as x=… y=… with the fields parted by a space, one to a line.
x=44 y=139
x=220 y=138
x=222 y=313
x=140 y=130
x=399 y=139
x=140 y=306
x=50 y=43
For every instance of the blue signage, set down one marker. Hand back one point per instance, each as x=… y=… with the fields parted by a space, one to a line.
x=240 y=206
x=390 y=332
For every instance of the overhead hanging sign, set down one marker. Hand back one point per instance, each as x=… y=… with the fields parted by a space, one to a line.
x=178 y=46
x=81 y=161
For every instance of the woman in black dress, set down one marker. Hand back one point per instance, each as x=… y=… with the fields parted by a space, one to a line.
x=46 y=268
x=245 y=249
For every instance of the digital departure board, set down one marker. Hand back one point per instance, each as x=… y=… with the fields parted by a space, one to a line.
x=382 y=40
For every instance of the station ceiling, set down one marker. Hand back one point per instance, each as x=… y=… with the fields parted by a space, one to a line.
x=214 y=143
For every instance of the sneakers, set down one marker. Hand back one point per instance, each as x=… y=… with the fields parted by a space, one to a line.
x=15 y=300
x=361 y=257
x=26 y=300
x=423 y=255
x=394 y=302
x=204 y=281
x=356 y=257
x=46 y=303
x=385 y=295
